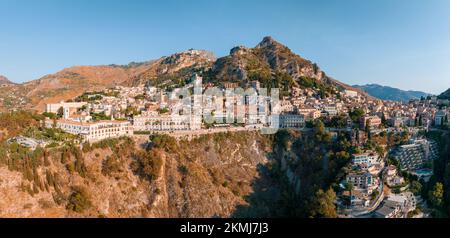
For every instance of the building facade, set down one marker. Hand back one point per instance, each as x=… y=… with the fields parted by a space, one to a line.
x=93 y=131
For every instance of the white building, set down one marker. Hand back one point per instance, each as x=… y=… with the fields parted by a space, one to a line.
x=53 y=108
x=93 y=131
x=166 y=123
x=368 y=158
x=351 y=93
x=331 y=110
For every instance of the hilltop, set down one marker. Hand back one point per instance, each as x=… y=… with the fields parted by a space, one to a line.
x=274 y=65
x=5 y=81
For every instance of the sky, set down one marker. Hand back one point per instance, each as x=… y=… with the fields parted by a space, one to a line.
x=399 y=43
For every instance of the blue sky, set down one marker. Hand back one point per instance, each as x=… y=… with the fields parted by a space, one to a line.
x=401 y=43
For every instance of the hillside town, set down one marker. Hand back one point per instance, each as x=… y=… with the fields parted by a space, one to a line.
x=377 y=181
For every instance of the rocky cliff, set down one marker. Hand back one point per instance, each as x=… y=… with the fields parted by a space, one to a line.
x=210 y=176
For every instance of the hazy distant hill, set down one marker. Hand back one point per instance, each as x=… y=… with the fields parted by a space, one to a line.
x=5 y=81
x=389 y=93
x=445 y=95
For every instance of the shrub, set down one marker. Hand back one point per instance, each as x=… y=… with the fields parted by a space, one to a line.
x=111 y=165
x=78 y=200
x=147 y=164
x=183 y=170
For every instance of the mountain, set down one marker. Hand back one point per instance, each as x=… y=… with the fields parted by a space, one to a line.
x=179 y=66
x=391 y=94
x=445 y=95
x=262 y=62
x=73 y=81
x=274 y=65
x=270 y=62
x=5 y=81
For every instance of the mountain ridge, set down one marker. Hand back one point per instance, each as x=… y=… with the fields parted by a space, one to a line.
x=390 y=93
x=445 y=95
x=5 y=81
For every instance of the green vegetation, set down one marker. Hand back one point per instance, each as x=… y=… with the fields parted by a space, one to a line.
x=436 y=191
x=356 y=115
x=165 y=142
x=436 y=195
x=112 y=165
x=163 y=110
x=79 y=200
x=95 y=96
x=13 y=123
x=322 y=205
x=320 y=163
x=100 y=116
x=50 y=115
x=52 y=134
x=415 y=187
x=339 y=121
x=147 y=164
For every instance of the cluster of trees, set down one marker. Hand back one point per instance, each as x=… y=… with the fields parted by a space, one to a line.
x=29 y=163
x=319 y=163
x=147 y=164
x=90 y=97
x=324 y=90
x=12 y=123
x=437 y=190
x=78 y=201
x=53 y=134
x=100 y=116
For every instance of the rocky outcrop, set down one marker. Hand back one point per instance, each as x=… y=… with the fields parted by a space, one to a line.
x=281 y=58
x=269 y=56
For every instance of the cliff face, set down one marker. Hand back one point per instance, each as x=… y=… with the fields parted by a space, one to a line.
x=73 y=81
x=207 y=177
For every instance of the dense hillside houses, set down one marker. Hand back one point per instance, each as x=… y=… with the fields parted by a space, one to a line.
x=381 y=146
x=198 y=106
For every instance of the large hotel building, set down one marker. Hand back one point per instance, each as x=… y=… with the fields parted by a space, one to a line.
x=93 y=131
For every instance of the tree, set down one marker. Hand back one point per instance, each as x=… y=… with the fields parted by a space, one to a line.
x=356 y=115
x=78 y=200
x=60 y=112
x=323 y=204
x=436 y=195
x=148 y=164
x=416 y=187
x=368 y=131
